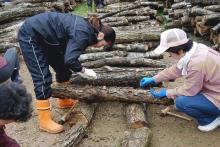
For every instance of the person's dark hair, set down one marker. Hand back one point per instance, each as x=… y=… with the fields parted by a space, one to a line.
x=109 y=32
x=185 y=47
x=15 y=102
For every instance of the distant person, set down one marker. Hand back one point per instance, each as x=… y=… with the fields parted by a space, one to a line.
x=199 y=95
x=99 y=4
x=15 y=106
x=57 y=40
x=9 y=66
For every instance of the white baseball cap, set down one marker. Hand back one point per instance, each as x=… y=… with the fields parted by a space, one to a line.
x=171 y=38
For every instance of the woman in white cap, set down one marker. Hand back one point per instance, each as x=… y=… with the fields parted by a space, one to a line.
x=199 y=96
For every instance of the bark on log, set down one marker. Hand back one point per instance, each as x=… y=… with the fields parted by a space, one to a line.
x=118 y=23
x=135 y=27
x=180 y=5
x=173 y=24
x=101 y=94
x=126 y=69
x=137 y=137
x=124 y=62
x=136 y=47
x=197 y=11
x=202 y=29
x=131 y=6
x=32 y=1
x=211 y=20
x=216 y=29
x=118 y=78
x=214 y=8
x=179 y=13
x=138 y=12
x=7 y=16
x=101 y=55
x=10 y=29
x=186 y=20
x=137 y=36
x=148 y=55
x=112 y=19
x=81 y=121
x=137 y=18
x=203 y=2
x=135 y=116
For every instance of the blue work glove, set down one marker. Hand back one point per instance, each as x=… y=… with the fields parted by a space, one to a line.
x=160 y=94
x=146 y=81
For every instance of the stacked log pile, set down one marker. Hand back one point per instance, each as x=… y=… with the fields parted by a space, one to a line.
x=199 y=17
x=119 y=71
x=13 y=14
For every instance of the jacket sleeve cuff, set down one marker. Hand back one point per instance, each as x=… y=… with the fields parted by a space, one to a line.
x=78 y=69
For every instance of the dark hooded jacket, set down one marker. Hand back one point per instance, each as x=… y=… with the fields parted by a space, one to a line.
x=68 y=33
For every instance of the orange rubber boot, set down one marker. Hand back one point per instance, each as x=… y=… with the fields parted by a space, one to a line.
x=66 y=103
x=44 y=115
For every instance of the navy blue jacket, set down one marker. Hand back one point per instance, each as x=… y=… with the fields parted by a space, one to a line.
x=70 y=33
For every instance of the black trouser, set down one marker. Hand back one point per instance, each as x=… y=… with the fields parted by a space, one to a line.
x=38 y=58
x=11 y=70
x=89 y=2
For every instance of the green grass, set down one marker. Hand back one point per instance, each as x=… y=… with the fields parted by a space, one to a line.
x=82 y=9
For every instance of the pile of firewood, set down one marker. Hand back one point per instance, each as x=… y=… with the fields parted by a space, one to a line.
x=201 y=17
x=119 y=71
x=13 y=13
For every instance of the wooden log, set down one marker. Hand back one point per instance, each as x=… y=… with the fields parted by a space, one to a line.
x=124 y=62
x=101 y=55
x=216 y=39
x=137 y=18
x=80 y=121
x=138 y=12
x=115 y=78
x=101 y=94
x=186 y=20
x=111 y=19
x=148 y=55
x=202 y=29
x=203 y=2
x=179 y=13
x=135 y=27
x=135 y=116
x=216 y=29
x=180 y=5
x=7 y=16
x=136 y=47
x=137 y=137
x=126 y=69
x=137 y=36
x=211 y=20
x=197 y=11
x=125 y=19
x=214 y=8
x=195 y=20
x=173 y=24
x=118 y=23
x=131 y=6
x=31 y=1
x=11 y=29
x=177 y=1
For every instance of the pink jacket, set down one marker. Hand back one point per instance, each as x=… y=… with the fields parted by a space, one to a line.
x=3 y=61
x=203 y=75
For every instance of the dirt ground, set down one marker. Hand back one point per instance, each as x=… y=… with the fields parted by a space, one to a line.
x=108 y=126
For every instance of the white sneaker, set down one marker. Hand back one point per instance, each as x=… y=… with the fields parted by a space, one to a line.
x=210 y=127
